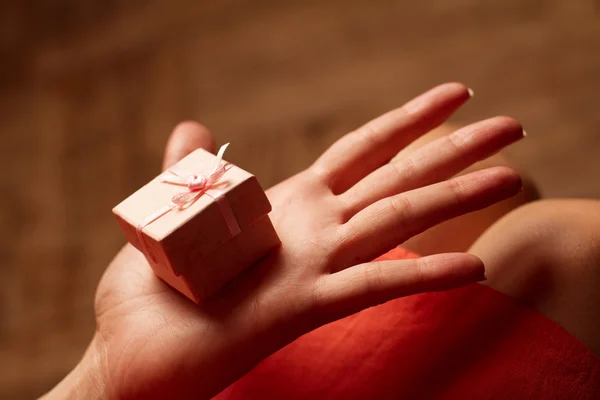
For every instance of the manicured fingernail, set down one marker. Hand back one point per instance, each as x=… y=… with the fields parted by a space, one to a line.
x=471 y=92
x=524 y=133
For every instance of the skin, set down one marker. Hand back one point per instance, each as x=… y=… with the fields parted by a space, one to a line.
x=546 y=254
x=353 y=204
x=459 y=234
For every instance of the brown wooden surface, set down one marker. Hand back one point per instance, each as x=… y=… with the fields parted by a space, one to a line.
x=89 y=91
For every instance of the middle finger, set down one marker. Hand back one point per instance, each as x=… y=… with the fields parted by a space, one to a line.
x=434 y=162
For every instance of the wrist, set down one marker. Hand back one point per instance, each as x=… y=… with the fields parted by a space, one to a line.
x=87 y=380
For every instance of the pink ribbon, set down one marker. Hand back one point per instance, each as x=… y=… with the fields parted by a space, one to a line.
x=197 y=185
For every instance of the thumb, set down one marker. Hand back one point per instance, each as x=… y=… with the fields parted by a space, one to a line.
x=185 y=138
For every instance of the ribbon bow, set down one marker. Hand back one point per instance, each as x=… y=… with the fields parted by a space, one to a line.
x=197 y=186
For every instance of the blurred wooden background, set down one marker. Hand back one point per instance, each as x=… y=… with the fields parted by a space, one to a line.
x=89 y=91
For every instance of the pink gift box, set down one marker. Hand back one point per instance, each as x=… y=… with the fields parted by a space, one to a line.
x=201 y=246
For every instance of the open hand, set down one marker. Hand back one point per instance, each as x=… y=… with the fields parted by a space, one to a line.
x=361 y=198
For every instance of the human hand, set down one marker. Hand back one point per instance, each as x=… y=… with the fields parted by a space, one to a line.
x=352 y=205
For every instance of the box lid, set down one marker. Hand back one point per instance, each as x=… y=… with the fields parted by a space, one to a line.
x=193 y=232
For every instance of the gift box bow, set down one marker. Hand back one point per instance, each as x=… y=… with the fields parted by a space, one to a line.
x=197 y=185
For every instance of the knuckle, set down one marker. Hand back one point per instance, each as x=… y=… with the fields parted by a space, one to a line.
x=368 y=133
x=458 y=190
x=454 y=142
x=399 y=174
x=373 y=278
x=401 y=206
x=410 y=169
x=421 y=266
x=404 y=171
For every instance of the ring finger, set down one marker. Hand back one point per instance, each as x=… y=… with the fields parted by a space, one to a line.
x=391 y=221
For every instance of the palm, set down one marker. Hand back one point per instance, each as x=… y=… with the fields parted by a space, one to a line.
x=155 y=342
x=144 y=320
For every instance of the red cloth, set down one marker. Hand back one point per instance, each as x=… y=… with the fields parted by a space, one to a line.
x=469 y=343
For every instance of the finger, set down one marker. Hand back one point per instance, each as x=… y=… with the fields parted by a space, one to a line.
x=434 y=162
x=351 y=290
x=357 y=154
x=389 y=222
x=187 y=137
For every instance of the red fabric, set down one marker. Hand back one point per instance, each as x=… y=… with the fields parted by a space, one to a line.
x=469 y=343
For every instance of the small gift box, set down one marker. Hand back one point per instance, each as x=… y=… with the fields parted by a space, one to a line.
x=200 y=223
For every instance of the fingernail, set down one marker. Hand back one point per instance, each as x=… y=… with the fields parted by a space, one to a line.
x=471 y=92
x=524 y=133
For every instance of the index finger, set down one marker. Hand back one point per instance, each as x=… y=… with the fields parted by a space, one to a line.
x=359 y=153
